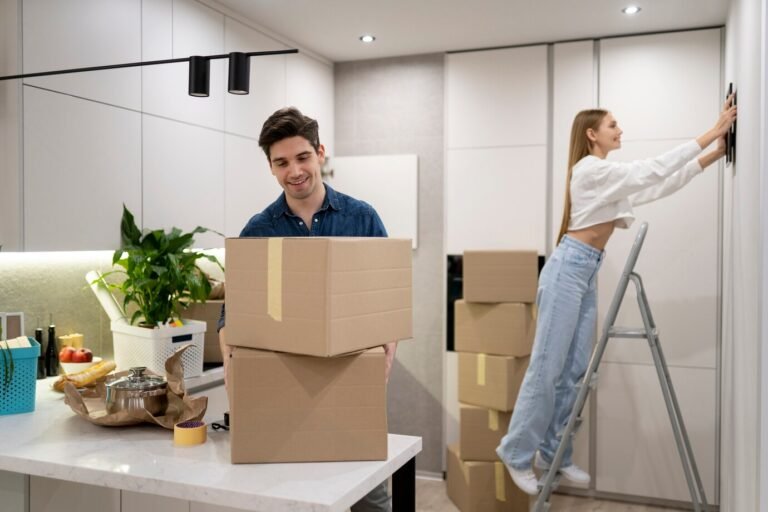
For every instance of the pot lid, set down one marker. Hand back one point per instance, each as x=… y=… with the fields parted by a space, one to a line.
x=136 y=380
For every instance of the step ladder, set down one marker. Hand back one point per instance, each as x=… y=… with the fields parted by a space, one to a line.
x=648 y=331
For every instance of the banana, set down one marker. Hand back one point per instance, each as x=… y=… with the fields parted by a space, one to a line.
x=85 y=377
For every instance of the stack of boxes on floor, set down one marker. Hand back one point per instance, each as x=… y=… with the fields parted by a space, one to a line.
x=306 y=318
x=494 y=329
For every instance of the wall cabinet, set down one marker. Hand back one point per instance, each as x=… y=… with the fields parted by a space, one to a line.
x=95 y=141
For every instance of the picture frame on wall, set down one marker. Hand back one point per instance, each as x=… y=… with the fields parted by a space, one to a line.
x=730 y=137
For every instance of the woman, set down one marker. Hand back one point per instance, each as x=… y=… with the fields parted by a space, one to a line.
x=599 y=197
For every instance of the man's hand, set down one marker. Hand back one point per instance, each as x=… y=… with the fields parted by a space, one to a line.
x=389 y=354
x=226 y=350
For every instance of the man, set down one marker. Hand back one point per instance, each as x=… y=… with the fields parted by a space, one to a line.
x=308 y=207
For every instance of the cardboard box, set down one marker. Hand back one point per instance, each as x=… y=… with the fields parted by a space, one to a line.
x=490 y=381
x=482 y=486
x=208 y=313
x=506 y=328
x=500 y=276
x=318 y=296
x=480 y=432
x=294 y=408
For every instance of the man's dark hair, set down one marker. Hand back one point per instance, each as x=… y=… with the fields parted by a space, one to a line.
x=288 y=122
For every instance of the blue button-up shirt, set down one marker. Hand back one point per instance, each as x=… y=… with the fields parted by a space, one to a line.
x=339 y=215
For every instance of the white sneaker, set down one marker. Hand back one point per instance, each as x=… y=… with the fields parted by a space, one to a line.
x=573 y=472
x=525 y=479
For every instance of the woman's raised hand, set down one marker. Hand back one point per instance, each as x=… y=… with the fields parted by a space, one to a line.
x=727 y=117
x=724 y=122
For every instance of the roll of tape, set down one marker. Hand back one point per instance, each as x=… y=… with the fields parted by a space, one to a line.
x=189 y=433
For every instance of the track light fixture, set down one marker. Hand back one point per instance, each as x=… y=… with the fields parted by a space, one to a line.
x=199 y=76
x=199 y=70
x=239 y=73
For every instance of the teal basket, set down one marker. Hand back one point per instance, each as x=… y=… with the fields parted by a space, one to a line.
x=19 y=396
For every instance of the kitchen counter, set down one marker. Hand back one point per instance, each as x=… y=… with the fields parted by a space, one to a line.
x=53 y=442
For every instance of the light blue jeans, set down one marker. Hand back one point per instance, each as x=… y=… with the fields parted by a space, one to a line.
x=567 y=311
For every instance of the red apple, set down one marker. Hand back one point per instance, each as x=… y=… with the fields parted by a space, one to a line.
x=66 y=353
x=82 y=355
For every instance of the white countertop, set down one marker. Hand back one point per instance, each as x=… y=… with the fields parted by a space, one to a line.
x=54 y=442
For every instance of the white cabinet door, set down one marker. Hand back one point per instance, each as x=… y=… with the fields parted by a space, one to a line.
x=678 y=265
x=85 y=33
x=190 y=28
x=496 y=98
x=183 y=182
x=14 y=491
x=82 y=161
x=664 y=86
x=636 y=451
x=50 y=495
x=138 y=502
x=496 y=199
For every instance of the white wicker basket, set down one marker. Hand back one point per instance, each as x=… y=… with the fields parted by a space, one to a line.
x=139 y=346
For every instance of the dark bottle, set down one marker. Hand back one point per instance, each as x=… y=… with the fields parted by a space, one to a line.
x=51 y=354
x=41 y=372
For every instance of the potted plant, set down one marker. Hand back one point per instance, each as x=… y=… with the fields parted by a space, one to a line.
x=160 y=279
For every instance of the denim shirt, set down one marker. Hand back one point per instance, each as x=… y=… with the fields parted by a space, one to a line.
x=339 y=215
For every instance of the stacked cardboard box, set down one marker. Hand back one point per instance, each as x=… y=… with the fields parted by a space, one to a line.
x=494 y=330
x=306 y=318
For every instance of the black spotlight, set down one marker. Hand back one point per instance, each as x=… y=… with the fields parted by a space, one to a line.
x=199 y=76
x=239 y=73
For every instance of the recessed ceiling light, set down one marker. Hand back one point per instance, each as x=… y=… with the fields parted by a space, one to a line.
x=630 y=10
x=367 y=38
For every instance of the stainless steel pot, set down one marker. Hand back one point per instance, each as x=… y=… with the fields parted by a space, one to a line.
x=136 y=392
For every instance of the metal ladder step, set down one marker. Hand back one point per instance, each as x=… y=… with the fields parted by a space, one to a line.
x=630 y=332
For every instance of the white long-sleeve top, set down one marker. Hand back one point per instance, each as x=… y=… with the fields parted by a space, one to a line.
x=603 y=191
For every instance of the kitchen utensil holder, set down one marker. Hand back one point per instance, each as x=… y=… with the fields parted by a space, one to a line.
x=19 y=396
x=139 y=346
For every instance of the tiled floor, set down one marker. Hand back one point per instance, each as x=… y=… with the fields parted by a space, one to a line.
x=431 y=497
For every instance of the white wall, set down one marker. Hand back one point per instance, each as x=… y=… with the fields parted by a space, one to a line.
x=10 y=126
x=494 y=133
x=93 y=141
x=745 y=464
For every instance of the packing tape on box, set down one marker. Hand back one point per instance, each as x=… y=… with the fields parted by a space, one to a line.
x=275 y=278
x=481 y=369
x=501 y=494
x=189 y=433
x=534 y=312
x=493 y=420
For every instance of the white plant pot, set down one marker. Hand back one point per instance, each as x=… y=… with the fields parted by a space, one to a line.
x=139 y=346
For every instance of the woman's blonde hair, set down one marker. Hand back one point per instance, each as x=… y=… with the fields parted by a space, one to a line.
x=580 y=146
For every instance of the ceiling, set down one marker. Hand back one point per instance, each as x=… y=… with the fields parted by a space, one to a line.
x=331 y=28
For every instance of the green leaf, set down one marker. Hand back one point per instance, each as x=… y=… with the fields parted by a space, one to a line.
x=129 y=232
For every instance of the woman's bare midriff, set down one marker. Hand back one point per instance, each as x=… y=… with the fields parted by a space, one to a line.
x=596 y=236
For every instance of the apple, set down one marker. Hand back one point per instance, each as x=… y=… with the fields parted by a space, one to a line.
x=66 y=353
x=82 y=355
